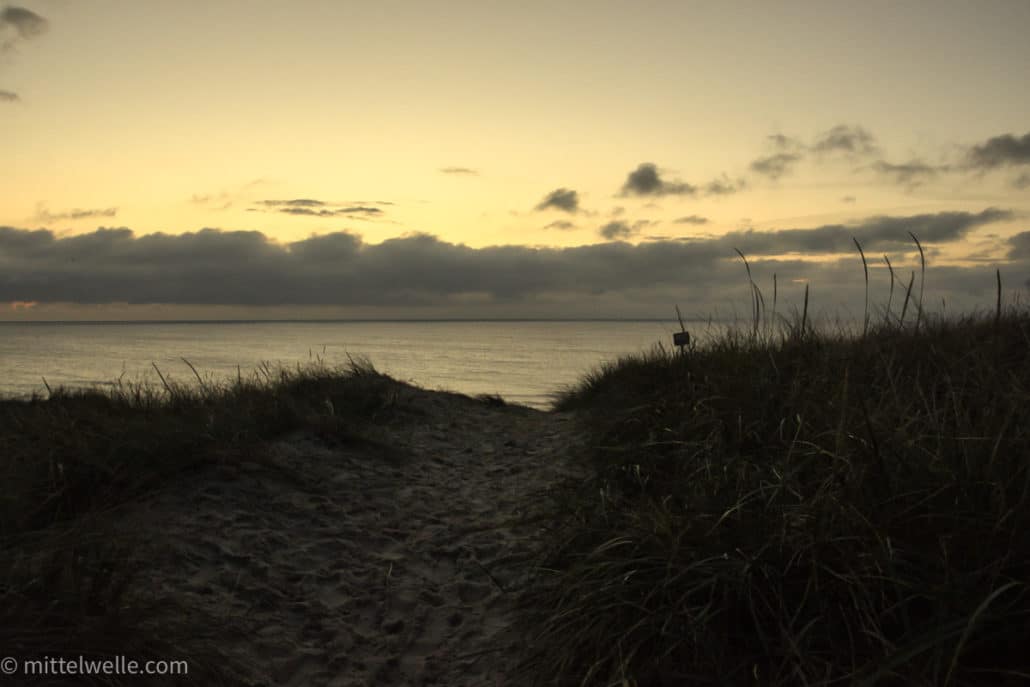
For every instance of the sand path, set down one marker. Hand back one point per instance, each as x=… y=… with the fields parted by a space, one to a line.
x=354 y=565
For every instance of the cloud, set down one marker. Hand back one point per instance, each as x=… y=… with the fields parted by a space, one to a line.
x=44 y=215
x=782 y=142
x=851 y=140
x=215 y=201
x=724 y=186
x=564 y=199
x=334 y=212
x=459 y=170
x=646 y=181
x=247 y=268
x=875 y=233
x=562 y=224
x=619 y=230
x=775 y=166
x=25 y=23
x=309 y=207
x=1019 y=246
x=295 y=203
x=788 y=152
x=909 y=174
x=616 y=230
x=1000 y=151
x=691 y=219
x=848 y=199
x=1022 y=181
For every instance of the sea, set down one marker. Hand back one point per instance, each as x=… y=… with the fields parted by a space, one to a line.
x=524 y=362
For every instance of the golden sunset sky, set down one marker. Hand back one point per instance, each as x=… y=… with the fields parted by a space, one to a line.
x=512 y=159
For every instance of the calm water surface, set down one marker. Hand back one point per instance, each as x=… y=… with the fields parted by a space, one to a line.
x=525 y=362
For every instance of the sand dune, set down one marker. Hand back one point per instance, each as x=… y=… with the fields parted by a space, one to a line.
x=394 y=562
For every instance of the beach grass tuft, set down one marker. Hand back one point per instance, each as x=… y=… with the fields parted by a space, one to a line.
x=793 y=506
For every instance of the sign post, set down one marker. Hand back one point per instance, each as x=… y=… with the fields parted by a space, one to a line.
x=681 y=339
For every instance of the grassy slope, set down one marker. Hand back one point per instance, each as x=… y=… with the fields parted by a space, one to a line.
x=817 y=509
x=65 y=585
x=763 y=511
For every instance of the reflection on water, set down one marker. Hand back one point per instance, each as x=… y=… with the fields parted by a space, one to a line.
x=525 y=362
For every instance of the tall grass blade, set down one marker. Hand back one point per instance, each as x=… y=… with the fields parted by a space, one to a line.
x=804 y=313
x=865 y=268
x=754 y=297
x=908 y=295
x=922 y=280
x=890 y=297
x=971 y=624
x=200 y=380
x=997 y=307
x=164 y=381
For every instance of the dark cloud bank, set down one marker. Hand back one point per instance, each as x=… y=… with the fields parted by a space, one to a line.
x=248 y=269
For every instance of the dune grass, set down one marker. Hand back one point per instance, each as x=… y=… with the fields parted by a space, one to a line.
x=795 y=507
x=68 y=462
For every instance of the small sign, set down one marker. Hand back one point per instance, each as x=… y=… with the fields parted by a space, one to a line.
x=681 y=339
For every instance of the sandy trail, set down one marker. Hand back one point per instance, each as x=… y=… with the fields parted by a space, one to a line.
x=354 y=565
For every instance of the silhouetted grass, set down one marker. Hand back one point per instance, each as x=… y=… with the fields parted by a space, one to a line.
x=66 y=584
x=799 y=507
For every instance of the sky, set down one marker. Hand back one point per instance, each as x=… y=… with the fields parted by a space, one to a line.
x=233 y=159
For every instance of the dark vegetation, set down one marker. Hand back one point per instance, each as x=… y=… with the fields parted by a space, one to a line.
x=786 y=506
x=67 y=463
x=780 y=506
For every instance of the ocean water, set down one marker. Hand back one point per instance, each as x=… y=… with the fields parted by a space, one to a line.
x=524 y=362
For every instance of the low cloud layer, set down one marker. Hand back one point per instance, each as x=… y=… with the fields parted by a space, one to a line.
x=563 y=199
x=1019 y=246
x=460 y=171
x=247 y=268
x=691 y=219
x=875 y=233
